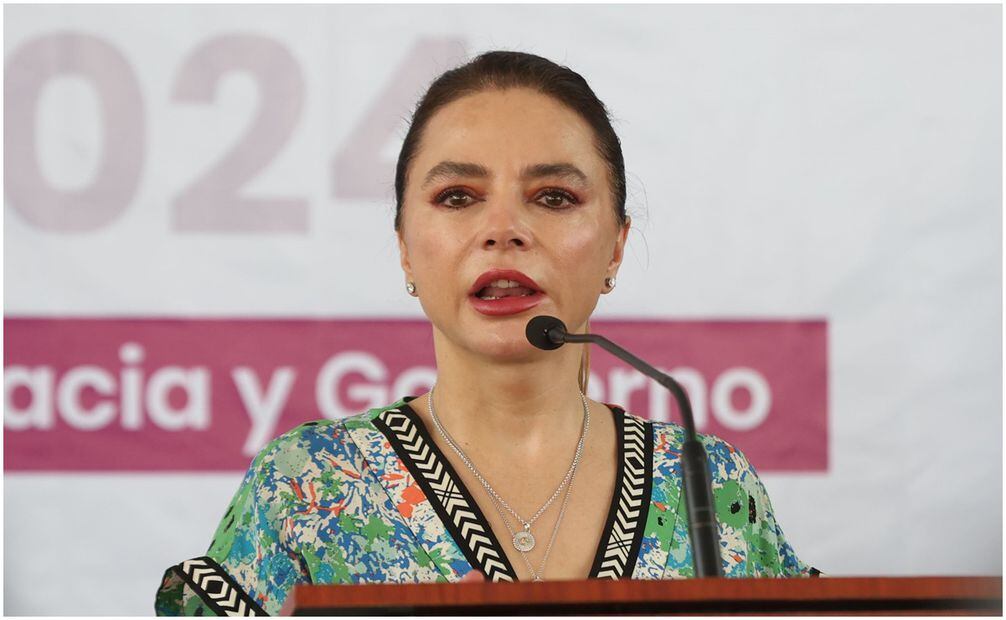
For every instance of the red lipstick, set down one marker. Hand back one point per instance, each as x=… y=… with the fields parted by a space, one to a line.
x=519 y=293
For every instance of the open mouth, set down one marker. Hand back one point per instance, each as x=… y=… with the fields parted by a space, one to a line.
x=498 y=289
x=500 y=292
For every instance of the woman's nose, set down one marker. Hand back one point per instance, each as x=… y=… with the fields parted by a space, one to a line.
x=505 y=227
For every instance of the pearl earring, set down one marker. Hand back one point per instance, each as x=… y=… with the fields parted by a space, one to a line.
x=609 y=283
x=411 y=288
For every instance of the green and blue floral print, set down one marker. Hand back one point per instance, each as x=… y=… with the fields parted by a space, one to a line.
x=371 y=499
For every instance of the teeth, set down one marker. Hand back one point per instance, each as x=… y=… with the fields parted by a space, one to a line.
x=504 y=284
x=489 y=297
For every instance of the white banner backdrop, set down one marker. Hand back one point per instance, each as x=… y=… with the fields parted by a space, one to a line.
x=833 y=162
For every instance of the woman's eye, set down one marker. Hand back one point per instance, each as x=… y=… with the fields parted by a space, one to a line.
x=552 y=198
x=557 y=199
x=454 y=198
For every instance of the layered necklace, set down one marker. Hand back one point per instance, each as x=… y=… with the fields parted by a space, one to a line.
x=523 y=540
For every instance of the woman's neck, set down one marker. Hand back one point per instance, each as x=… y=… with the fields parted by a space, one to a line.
x=519 y=409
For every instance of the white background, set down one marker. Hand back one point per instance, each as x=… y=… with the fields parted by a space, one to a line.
x=784 y=162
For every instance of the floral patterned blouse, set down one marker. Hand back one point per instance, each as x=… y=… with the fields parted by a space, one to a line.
x=371 y=498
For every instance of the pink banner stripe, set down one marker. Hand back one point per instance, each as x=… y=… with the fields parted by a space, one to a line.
x=206 y=394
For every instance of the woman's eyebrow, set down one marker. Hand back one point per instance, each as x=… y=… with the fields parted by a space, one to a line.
x=446 y=169
x=538 y=171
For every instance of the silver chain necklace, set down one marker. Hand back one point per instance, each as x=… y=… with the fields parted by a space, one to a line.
x=523 y=540
x=537 y=575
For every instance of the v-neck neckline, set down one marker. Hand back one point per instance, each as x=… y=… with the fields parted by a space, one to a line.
x=618 y=546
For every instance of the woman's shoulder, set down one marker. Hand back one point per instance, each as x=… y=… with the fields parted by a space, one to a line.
x=322 y=441
x=748 y=527
x=726 y=459
x=305 y=472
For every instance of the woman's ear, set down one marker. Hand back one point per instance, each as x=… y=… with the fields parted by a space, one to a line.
x=403 y=256
x=619 y=252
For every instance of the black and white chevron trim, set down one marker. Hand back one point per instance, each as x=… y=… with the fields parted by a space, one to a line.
x=630 y=503
x=451 y=500
x=217 y=589
x=618 y=547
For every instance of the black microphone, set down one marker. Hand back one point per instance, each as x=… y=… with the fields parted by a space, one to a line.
x=548 y=333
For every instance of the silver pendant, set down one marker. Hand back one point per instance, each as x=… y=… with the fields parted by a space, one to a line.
x=523 y=541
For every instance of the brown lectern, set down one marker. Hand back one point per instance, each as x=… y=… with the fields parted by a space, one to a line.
x=826 y=595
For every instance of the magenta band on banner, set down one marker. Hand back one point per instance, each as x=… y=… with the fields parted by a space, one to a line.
x=207 y=394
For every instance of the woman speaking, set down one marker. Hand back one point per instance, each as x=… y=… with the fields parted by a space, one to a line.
x=510 y=191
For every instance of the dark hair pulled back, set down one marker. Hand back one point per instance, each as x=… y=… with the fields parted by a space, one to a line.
x=501 y=70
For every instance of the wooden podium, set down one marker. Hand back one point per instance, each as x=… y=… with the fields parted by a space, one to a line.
x=825 y=595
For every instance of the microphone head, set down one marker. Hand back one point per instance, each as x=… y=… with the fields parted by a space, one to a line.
x=546 y=332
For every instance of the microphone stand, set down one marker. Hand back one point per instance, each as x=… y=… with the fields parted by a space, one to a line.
x=695 y=473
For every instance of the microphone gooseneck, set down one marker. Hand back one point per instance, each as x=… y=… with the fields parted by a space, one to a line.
x=549 y=333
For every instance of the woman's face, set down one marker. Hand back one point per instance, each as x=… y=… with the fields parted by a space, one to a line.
x=507 y=215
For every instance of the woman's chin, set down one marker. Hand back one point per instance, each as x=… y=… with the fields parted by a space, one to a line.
x=503 y=343
x=497 y=339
